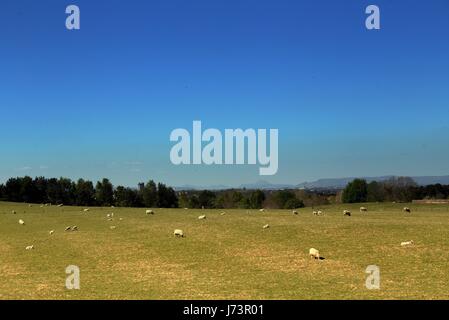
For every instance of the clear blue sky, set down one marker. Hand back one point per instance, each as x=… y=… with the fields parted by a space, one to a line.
x=102 y=101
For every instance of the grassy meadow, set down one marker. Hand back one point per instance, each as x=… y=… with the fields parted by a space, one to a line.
x=224 y=256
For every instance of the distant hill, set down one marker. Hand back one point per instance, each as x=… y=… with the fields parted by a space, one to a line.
x=329 y=183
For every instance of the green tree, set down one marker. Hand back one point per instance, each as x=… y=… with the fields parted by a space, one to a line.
x=355 y=191
x=84 y=193
x=256 y=199
x=104 y=193
x=150 y=194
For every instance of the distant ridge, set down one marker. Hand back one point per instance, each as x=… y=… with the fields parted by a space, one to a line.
x=328 y=183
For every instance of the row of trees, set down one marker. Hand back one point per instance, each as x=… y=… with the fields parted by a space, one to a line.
x=401 y=189
x=84 y=193
x=243 y=199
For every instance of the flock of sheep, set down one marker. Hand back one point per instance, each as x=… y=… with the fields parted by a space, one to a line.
x=313 y=253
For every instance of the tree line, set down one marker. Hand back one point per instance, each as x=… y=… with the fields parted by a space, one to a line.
x=84 y=193
x=400 y=189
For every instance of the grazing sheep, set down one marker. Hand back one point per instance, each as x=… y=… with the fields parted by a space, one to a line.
x=30 y=205
x=295 y=212
x=68 y=228
x=315 y=213
x=178 y=233
x=223 y=213
x=51 y=232
x=262 y=210
x=319 y=213
x=74 y=228
x=29 y=247
x=60 y=205
x=13 y=212
x=347 y=213
x=86 y=210
x=407 y=210
x=202 y=217
x=120 y=219
x=21 y=222
x=363 y=209
x=266 y=226
x=186 y=208
x=407 y=243
x=112 y=227
x=314 y=253
x=149 y=212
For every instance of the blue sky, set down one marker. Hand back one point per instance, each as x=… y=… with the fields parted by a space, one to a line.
x=102 y=101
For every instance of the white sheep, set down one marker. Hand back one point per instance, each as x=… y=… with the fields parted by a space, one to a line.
x=266 y=226
x=407 y=210
x=202 y=217
x=295 y=212
x=347 y=213
x=363 y=209
x=13 y=212
x=314 y=253
x=262 y=210
x=315 y=213
x=149 y=211
x=60 y=205
x=112 y=227
x=21 y=222
x=407 y=243
x=319 y=213
x=178 y=233
x=86 y=210
x=29 y=247
x=51 y=232
x=68 y=228
x=223 y=213
x=74 y=228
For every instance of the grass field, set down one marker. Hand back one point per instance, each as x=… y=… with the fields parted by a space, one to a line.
x=224 y=257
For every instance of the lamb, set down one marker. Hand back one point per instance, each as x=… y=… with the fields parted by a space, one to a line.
x=202 y=217
x=29 y=247
x=266 y=226
x=407 y=243
x=363 y=209
x=178 y=233
x=21 y=222
x=314 y=253
x=407 y=210
x=149 y=212
x=347 y=213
